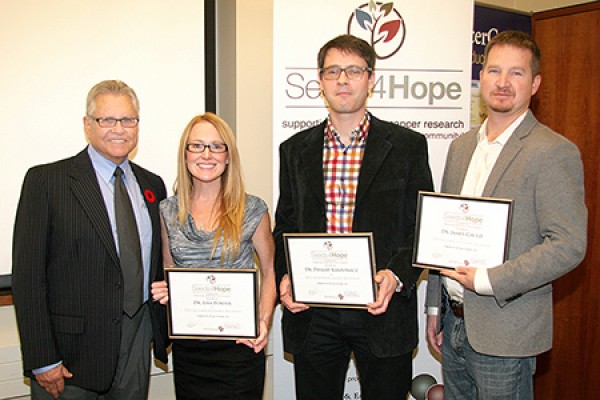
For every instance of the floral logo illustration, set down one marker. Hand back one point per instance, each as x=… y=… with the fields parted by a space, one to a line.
x=381 y=25
x=328 y=245
x=150 y=196
x=464 y=207
x=211 y=279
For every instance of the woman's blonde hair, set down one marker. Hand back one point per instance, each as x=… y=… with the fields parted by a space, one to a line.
x=233 y=195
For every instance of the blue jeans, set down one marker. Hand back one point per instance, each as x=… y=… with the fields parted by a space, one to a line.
x=472 y=375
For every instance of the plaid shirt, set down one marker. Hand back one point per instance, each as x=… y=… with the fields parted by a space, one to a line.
x=341 y=168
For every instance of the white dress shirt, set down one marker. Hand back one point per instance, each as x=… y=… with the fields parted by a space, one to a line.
x=482 y=162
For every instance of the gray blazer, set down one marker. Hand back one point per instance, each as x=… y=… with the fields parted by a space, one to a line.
x=542 y=172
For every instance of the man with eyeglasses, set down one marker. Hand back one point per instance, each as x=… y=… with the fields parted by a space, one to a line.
x=353 y=173
x=86 y=249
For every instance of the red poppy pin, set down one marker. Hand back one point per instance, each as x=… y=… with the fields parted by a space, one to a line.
x=150 y=196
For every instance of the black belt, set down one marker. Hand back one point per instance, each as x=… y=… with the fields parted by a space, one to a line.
x=457 y=308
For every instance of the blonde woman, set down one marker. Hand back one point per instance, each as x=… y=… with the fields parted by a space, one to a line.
x=212 y=222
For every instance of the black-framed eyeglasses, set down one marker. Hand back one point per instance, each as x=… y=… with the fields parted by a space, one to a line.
x=212 y=147
x=111 y=122
x=353 y=72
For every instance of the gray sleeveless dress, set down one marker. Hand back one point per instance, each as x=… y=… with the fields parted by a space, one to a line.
x=191 y=247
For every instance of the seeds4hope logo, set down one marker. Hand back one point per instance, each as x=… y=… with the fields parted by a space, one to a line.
x=381 y=25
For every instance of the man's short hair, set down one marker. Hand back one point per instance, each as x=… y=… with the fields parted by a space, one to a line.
x=349 y=44
x=520 y=40
x=113 y=87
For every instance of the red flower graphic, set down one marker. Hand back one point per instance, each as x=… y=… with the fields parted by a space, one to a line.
x=150 y=196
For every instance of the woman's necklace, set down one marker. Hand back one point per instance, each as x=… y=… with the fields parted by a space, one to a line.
x=207 y=226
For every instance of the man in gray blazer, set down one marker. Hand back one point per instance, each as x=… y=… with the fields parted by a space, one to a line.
x=495 y=321
x=79 y=340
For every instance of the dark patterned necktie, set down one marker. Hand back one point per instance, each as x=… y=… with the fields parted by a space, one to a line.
x=130 y=253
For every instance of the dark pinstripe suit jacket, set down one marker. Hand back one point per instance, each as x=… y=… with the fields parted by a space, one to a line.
x=67 y=282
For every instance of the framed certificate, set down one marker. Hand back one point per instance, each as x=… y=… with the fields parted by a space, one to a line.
x=456 y=231
x=208 y=303
x=328 y=270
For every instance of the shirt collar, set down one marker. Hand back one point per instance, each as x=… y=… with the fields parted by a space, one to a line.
x=504 y=136
x=104 y=167
x=360 y=132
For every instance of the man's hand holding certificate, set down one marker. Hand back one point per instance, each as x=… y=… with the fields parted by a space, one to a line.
x=331 y=270
x=464 y=231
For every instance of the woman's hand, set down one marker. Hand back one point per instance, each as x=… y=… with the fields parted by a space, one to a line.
x=261 y=341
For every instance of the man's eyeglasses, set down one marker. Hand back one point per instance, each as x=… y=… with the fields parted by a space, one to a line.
x=212 y=147
x=112 y=122
x=353 y=72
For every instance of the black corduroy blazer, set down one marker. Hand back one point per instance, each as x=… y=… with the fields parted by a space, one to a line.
x=394 y=168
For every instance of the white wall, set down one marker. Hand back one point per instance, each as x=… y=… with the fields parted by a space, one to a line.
x=54 y=52
x=254 y=100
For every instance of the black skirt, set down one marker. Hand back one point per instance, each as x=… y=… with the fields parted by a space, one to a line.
x=217 y=370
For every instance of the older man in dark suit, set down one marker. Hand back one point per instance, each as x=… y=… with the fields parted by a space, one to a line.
x=80 y=282
x=353 y=173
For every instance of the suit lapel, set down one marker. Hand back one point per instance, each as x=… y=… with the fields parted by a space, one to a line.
x=463 y=159
x=376 y=151
x=312 y=163
x=84 y=185
x=511 y=149
x=149 y=194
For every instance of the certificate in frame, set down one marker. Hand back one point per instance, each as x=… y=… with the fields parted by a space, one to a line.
x=454 y=230
x=209 y=303
x=331 y=270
